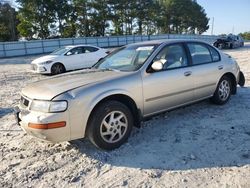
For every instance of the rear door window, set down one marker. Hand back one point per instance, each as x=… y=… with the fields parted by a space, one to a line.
x=76 y=51
x=200 y=53
x=89 y=49
x=215 y=55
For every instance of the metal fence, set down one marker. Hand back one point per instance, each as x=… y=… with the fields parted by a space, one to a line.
x=22 y=48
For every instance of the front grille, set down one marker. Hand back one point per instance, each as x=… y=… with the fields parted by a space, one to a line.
x=24 y=102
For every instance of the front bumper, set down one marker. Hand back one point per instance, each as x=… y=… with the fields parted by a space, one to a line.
x=24 y=117
x=43 y=69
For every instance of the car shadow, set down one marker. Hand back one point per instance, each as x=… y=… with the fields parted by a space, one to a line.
x=202 y=135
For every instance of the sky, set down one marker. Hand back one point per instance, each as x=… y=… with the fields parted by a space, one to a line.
x=230 y=16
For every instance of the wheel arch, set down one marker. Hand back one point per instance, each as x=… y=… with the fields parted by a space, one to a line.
x=57 y=62
x=126 y=100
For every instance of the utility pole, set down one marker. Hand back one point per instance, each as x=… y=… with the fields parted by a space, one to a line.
x=212 y=30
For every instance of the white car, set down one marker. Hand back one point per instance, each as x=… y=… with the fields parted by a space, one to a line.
x=68 y=58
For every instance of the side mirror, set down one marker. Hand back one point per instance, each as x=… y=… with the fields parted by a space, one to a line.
x=158 y=65
x=68 y=53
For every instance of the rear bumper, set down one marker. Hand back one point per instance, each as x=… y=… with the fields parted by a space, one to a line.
x=24 y=117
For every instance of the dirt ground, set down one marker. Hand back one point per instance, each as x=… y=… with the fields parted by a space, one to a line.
x=202 y=145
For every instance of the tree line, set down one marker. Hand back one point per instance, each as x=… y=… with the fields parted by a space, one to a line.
x=42 y=19
x=245 y=35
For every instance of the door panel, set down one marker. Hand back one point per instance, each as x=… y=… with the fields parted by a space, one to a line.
x=167 y=89
x=86 y=59
x=72 y=61
x=206 y=68
x=89 y=57
x=173 y=86
x=93 y=57
x=206 y=77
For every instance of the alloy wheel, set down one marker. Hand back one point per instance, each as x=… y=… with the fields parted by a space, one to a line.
x=57 y=69
x=114 y=126
x=224 y=90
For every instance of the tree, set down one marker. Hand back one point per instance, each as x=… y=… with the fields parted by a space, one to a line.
x=38 y=16
x=63 y=16
x=245 y=35
x=201 y=21
x=185 y=16
x=145 y=15
x=8 y=23
x=98 y=16
x=78 y=18
x=71 y=18
x=117 y=16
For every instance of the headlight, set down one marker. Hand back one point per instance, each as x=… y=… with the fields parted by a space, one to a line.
x=45 y=63
x=49 y=106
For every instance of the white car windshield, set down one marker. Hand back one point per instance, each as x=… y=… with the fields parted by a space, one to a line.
x=60 y=51
x=129 y=58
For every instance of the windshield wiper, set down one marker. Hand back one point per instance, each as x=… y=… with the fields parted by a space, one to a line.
x=107 y=69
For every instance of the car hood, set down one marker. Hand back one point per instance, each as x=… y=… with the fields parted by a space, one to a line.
x=47 y=89
x=44 y=58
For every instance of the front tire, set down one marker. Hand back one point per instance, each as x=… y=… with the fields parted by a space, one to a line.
x=220 y=46
x=110 y=125
x=57 y=68
x=223 y=91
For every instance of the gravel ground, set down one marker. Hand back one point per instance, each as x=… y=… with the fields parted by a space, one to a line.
x=202 y=145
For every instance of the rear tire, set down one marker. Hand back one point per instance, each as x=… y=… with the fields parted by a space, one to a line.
x=110 y=125
x=223 y=91
x=57 y=68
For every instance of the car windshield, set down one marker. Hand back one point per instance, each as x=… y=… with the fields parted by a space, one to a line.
x=60 y=51
x=129 y=58
x=229 y=38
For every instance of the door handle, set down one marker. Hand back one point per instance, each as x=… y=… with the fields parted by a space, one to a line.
x=188 y=73
x=220 y=67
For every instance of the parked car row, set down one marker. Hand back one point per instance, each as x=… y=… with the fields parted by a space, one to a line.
x=84 y=56
x=130 y=84
x=68 y=58
x=229 y=41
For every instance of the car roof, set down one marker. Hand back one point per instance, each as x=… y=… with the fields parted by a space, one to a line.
x=81 y=45
x=150 y=42
x=165 y=41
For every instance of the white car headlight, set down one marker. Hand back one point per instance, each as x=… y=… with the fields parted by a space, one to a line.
x=45 y=63
x=49 y=106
